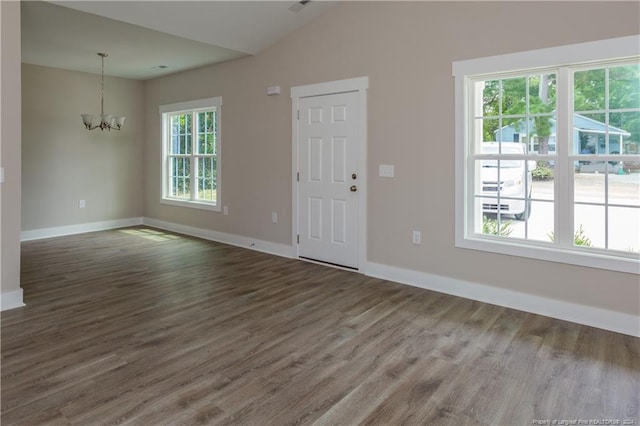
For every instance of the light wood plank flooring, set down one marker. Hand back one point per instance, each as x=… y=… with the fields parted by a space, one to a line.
x=140 y=326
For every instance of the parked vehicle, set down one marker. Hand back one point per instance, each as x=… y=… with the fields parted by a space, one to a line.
x=515 y=181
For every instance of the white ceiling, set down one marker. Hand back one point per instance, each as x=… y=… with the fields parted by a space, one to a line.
x=141 y=35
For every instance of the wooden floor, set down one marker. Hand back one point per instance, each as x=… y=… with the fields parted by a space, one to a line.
x=139 y=326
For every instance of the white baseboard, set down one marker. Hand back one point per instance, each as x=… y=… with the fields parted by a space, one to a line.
x=567 y=311
x=60 y=231
x=223 y=237
x=11 y=300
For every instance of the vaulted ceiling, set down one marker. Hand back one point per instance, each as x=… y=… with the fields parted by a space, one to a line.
x=147 y=39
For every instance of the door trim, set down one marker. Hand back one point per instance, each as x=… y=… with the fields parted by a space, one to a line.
x=359 y=85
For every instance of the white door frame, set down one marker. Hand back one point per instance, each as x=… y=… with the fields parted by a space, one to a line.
x=360 y=85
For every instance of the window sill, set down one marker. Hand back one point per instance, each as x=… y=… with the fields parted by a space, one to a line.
x=629 y=265
x=191 y=204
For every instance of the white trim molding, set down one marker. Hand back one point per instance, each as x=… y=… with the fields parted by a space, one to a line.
x=81 y=228
x=11 y=300
x=331 y=87
x=613 y=48
x=191 y=105
x=567 y=311
x=223 y=237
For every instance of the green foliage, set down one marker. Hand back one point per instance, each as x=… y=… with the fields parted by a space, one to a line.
x=579 y=238
x=509 y=97
x=490 y=227
x=624 y=92
x=542 y=173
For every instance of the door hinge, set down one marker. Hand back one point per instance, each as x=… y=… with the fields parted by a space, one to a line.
x=298 y=114
x=298 y=238
x=298 y=176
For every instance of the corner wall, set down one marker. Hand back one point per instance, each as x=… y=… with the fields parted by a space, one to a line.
x=64 y=163
x=10 y=137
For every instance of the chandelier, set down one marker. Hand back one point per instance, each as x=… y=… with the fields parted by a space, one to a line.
x=107 y=121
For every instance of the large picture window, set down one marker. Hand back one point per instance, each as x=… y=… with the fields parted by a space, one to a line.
x=548 y=154
x=191 y=160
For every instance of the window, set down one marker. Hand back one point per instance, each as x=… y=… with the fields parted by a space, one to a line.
x=191 y=154
x=547 y=162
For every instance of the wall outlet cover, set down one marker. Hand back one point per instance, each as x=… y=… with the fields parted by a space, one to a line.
x=386 y=170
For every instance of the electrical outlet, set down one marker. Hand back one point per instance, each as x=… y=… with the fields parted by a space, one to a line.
x=417 y=238
x=225 y=210
x=82 y=204
x=274 y=217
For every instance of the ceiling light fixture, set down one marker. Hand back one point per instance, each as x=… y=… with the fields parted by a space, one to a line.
x=107 y=121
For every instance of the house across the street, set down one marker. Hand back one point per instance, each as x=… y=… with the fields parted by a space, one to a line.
x=588 y=136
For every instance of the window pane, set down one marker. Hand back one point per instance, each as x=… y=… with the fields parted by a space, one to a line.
x=205 y=133
x=187 y=132
x=175 y=134
x=624 y=132
x=589 y=90
x=538 y=226
x=491 y=98
x=542 y=133
x=513 y=129
x=624 y=229
x=542 y=93
x=505 y=187
x=180 y=134
x=487 y=130
x=542 y=182
x=206 y=179
x=624 y=87
x=589 y=133
x=174 y=149
x=624 y=189
x=589 y=226
x=514 y=96
x=588 y=186
x=179 y=178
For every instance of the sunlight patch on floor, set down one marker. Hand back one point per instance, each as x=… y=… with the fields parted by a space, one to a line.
x=151 y=234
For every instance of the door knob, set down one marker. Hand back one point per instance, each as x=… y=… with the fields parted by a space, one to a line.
x=354 y=176
x=353 y=188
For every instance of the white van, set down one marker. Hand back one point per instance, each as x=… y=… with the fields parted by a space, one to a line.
x=515 y=179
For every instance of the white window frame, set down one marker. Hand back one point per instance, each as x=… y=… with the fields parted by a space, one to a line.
x=558 y=58
x=182 y=108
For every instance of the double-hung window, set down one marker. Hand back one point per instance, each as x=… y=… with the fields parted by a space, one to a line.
x=548 y=154
x=191 y=153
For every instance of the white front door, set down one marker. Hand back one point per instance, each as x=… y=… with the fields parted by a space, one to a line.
x=328 y=182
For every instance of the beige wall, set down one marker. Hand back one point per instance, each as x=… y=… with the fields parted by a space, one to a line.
x=407 y=50
x=10 y=153
x=64 y=163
